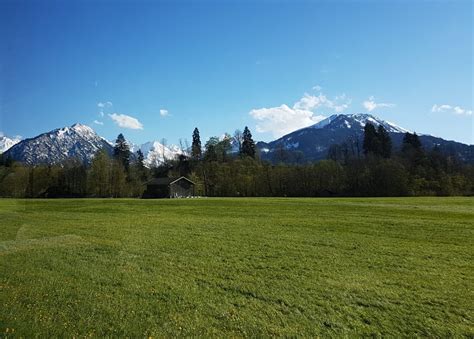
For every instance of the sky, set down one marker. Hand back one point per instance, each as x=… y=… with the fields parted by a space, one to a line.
x=154 y=70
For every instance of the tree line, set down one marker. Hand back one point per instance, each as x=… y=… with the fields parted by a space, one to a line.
x=231 y=166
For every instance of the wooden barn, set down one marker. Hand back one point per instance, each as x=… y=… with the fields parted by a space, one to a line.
x=169 y=188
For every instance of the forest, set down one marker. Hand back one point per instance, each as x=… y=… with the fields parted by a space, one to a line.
x=220 y=171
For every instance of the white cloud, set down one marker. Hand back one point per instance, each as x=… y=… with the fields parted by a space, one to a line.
x=451 y=109
x=317 y=88
x=104 y=104
x=97 y=122
x=283 y=119
x=309 y=102
x=126 y=121
x=370 y=104
x=164 y=112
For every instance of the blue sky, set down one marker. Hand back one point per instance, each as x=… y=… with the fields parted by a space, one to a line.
x=220 y=65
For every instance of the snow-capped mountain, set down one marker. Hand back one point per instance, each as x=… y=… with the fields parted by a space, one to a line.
x=78 y=141
x=6 y=143
x=358 y=121
x=156 y=153
x=313 y=142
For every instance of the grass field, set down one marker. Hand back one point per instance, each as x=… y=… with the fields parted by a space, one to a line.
x=237 y=267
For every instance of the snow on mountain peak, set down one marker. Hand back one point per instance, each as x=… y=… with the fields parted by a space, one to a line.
x=6 y=142
x=82 y=129
x=156 y=153
x=350 y=121
x=77 y=141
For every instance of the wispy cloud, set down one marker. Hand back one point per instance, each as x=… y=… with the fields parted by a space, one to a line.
x=97 y=122
x=103 y=106
x=285 y=119
x=370 y=104
x=164 y=112
x=451 y=109
x=126 y=121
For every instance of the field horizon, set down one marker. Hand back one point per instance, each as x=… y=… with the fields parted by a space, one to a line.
x=237 y=267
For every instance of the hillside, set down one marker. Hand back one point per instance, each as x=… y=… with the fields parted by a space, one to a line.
x=312 y=143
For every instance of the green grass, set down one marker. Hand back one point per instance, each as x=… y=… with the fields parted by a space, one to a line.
x=237 y=267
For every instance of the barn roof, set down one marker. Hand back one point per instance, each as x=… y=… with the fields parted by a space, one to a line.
x=165 y=181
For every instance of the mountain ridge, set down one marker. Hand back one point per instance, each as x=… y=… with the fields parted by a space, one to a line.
x=76 y=141
x=309 y=144
x=313 y=142
x=80 y=142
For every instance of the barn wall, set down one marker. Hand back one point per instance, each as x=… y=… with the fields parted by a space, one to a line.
x=181 y=188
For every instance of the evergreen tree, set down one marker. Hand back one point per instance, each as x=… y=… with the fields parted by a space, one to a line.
x=385 y=142
x=411 y=142
x=371 y=141
x=140 y=166
x=223 y=148
x=140 y=159
x=122 y=151
x=196 y=146
x=211 y=149
x=248 y=145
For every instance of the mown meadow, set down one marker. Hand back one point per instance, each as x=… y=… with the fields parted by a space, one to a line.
x=237 y=267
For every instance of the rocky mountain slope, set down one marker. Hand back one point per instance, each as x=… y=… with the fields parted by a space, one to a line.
x=77 y=141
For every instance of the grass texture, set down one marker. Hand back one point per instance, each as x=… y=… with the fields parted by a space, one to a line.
x=237 y=267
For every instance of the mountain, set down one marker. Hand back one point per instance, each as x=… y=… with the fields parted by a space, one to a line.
x=155 y=152
x=6 y=143
x=313 y=142
x=78 y=141
x=307 y=144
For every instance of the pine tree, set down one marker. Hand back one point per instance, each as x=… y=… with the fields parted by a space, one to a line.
x=385 y=142
x=196 y=146
x=371 y=141
x=224 y=147
x=122 y=151
x=411 y=142
x=413 y=153
x=140 y=165
x=248 y=145
x=140 y=159
x=211 y=149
